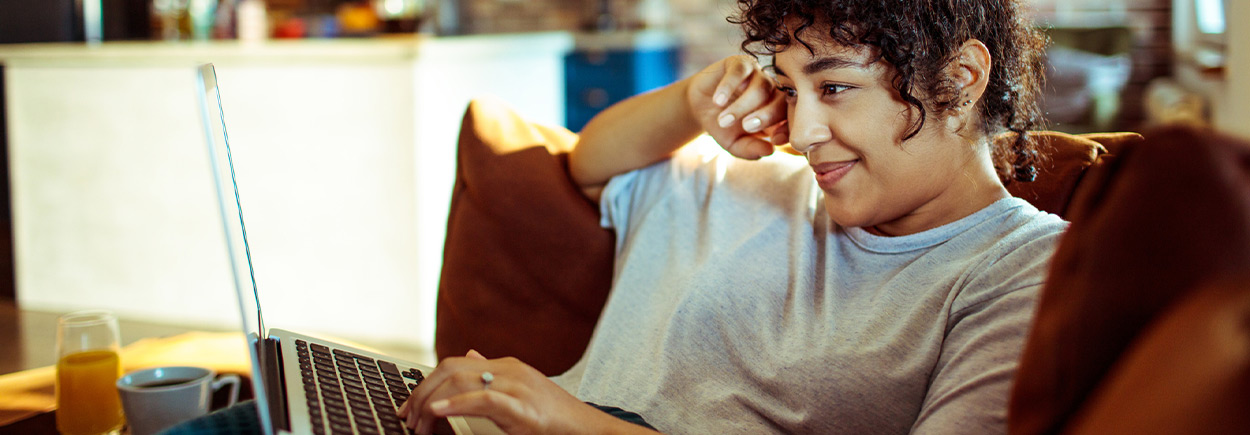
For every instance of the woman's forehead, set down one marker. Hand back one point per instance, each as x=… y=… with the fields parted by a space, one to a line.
x=822 y=55
x=814 y=41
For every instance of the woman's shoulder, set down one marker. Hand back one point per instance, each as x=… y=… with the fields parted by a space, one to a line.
x=1013 y=222
x=1023 y=240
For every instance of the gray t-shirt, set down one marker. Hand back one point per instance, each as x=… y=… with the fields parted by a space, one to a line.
x=738 y=306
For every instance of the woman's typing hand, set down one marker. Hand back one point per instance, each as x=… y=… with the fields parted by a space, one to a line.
x=516 y=397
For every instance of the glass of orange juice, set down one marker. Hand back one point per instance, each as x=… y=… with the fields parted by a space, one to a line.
x=87 y=369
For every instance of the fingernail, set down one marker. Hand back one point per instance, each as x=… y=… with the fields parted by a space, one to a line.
x=440 y=405
x=725 y=120
x=752 y=124
x=720 y=99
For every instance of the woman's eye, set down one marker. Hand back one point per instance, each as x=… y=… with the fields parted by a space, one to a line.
x=831 y=89
x=789 y=91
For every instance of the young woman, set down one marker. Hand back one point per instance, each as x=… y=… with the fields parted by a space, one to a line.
x=882 y=281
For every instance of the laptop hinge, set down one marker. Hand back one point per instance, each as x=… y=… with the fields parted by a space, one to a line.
x=275 y=383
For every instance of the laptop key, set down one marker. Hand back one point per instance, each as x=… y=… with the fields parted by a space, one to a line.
x=371 y=378
x=336 y=406
x=340 y=427
x=338 y=417
x=388 y=367
x=377 y=390
x=357 y=398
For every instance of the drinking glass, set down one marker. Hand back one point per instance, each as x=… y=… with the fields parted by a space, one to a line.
x=87 y=369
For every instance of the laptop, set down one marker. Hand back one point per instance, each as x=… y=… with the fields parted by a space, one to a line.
x=304 y=384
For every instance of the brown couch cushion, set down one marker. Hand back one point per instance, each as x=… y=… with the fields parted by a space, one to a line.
x=1167 y=217
x=1188 y=372
x=526 y=266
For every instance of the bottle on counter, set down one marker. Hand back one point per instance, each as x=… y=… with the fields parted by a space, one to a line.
x=253 y=22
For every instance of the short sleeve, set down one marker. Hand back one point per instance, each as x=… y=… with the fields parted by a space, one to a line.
x=632 y=193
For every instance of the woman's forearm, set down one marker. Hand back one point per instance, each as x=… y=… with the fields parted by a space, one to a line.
x=632 y=134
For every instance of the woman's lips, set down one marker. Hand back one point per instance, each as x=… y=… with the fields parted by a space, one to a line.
x=828 y=174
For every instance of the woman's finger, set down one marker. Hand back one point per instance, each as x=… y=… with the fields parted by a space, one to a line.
x=772 y=113
x=750 y=147
x=732 y=81
x=441 y=383
x=780 y=134
x=504 y=410
x=756 y=100
x=461 y=382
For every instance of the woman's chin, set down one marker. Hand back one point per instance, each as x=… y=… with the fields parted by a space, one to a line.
x=847 y=217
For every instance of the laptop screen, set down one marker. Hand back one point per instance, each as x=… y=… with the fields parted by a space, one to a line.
x=230 y=205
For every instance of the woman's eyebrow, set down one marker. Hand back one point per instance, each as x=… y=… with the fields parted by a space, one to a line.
x=824 y=64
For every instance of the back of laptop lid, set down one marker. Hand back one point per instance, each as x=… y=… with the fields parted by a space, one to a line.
x=231 y=209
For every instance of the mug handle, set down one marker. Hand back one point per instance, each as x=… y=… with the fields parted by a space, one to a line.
x=231 y=379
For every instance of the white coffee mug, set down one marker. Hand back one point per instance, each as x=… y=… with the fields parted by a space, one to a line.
x=158 y=398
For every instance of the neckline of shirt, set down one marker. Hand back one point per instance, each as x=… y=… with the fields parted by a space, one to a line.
x=931 y=237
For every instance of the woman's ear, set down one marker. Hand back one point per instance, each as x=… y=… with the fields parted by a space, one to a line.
x=971 y=75
x=972 y=71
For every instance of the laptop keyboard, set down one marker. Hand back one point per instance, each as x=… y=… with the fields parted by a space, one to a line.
x=349 y=393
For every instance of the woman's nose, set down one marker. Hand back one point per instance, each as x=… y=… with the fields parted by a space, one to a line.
x=808 y=128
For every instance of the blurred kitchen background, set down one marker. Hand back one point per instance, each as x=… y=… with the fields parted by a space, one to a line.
x=344 y=116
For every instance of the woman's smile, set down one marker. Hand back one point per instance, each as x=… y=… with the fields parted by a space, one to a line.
x=829 y=173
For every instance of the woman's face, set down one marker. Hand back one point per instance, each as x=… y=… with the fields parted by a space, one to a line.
x=847 y=118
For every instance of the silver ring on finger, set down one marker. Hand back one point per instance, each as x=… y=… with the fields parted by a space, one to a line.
x=487 y=378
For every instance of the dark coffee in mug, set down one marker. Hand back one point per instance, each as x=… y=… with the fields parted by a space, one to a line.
x=164 y=383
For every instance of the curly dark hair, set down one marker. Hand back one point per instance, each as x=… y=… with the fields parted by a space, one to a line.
x=920 y=39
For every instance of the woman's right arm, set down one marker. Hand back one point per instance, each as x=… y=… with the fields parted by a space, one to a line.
x=724 y=100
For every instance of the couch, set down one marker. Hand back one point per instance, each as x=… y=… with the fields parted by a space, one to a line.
x=1143 y=326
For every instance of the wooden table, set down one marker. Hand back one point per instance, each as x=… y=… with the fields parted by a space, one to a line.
x=27 y=371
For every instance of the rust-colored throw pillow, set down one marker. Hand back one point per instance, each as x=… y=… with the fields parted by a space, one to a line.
x=1144 y=322
x=1067 y=158
x=526 y=266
